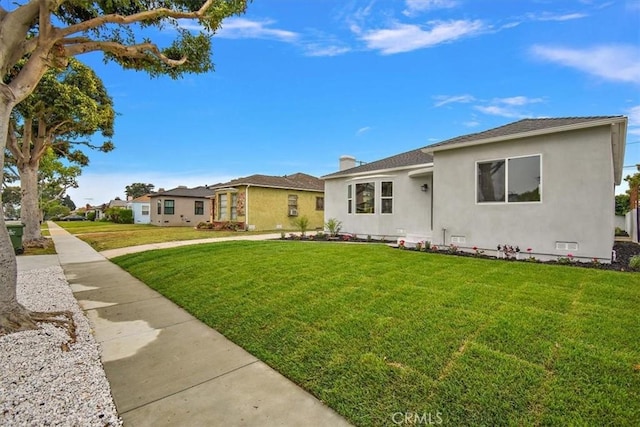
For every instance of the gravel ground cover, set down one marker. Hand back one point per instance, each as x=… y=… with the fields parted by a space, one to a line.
x=44 y=378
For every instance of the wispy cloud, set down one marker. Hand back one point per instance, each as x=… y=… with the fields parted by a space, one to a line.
x=363 y=130
x=416 y=6
x=405 y=37
x=451 y=99
x=241 y=28
x=617 y=63
x=511 y=107
x=634 y=121
x=549 y=16
x=314 y=49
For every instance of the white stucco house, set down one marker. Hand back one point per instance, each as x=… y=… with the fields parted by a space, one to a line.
x=141 y=207
x=542 y=184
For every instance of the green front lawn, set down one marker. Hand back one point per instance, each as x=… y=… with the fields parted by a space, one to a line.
x=377 y=333
x=107 y=235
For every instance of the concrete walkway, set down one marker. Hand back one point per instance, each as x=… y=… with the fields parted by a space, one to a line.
x=165 y=367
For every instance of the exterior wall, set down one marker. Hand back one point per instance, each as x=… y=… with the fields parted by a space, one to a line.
x=411 y=206
x=577 y=197
x=138 y=217
x=262 y=208
x=183 y=216
x=631 y=220
x=621 y=222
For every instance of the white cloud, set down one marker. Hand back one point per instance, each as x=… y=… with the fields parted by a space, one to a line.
x=617 y=63
x=446 y=99
x=415 y=6
x=548 y=16
x=315 y=49
x=406 y=37
x=510 y=107
x=634 y=121
x=241 y=28
x=363 y=130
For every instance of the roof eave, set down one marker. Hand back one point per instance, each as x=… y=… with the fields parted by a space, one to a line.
x=538 y=132
x=376 y=171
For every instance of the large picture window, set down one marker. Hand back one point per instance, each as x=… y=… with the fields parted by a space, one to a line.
x=386 y=197
x=365 y=198
x=510 y=180
x=169 y=207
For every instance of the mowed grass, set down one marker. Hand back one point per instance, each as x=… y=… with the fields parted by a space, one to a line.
x=106 y=235
x=378 y=333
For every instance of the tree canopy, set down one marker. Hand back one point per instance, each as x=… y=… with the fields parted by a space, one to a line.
x=48 y=33
x=138 y=189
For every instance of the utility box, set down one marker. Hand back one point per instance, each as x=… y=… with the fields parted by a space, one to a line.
x=16 y=229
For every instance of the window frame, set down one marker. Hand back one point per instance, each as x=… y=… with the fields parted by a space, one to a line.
x=145 y=212
x=198 y=207
x=367 y=204
x=169 y=210
x=383 y=198
x=222 y=210
x=505 y=199
x=350 y=199
x=319 y=203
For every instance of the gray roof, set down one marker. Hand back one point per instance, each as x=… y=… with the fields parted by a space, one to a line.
x=200 y=192
x=410 y=158
x=296 y=181
x=521 y=127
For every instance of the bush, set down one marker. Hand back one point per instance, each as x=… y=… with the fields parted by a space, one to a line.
x=119 y=215
x=333 y=226
x=634 y=262
x=302 y=223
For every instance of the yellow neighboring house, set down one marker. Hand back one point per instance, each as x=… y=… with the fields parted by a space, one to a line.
x=262 y=202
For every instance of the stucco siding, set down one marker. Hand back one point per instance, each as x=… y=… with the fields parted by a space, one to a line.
x=268 y=208
x=411 y=212
x=577 y=196
x=184 y=212
x=138 y=217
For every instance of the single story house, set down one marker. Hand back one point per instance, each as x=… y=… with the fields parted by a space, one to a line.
x=180 y=206
x=544 y=185
x=141 y=207
x=263 y=202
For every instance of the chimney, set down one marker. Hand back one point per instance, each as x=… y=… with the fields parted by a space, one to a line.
x=347 y=162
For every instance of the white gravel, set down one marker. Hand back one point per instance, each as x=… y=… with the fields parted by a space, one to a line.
x=42 y=385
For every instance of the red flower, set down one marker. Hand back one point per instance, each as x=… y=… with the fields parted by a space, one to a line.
x=529 y=249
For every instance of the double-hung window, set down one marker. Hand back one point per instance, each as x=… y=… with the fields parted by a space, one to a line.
x=509 y=180
x=198 y=207
x=234 y=206
x=169 y=207
x=386 y=197
x=222 y=212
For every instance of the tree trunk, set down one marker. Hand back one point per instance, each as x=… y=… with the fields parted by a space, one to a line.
x=13 y=317
x=29 y=210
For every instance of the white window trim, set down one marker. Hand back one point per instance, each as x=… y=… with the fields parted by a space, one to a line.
x=506 y=181
x=393 y=201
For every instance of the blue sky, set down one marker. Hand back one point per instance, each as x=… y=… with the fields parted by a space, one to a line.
x=299 y=83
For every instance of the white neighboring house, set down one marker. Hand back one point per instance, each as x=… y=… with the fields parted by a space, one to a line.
x=141 y=207
x=544 y=184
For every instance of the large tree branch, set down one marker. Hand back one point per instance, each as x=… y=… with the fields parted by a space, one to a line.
x=12 y=141
x=82 y=45
x=147 y=15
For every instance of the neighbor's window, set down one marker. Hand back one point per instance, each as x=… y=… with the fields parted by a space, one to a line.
x=365 y=198
x=169 y=207
x=509 y=180
x=319 y=203
x=293 y=205
x=145 y=209
x=349 y=199
x=386 y=198
x=222 y=213
x=159 y=205
x=234 y=207
x=198 y=207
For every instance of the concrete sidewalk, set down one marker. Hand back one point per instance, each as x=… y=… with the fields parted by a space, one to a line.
x=165 y=367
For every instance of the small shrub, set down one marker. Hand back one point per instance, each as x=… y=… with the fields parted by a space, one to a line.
x=333 y=226
x=452 y=249
x=302 y=223
x=621 y=233
x=634 y=262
